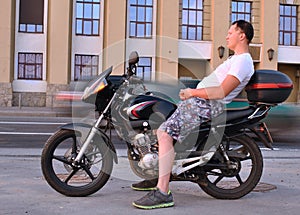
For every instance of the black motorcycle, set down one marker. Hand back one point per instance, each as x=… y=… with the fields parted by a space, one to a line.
x=220 y=155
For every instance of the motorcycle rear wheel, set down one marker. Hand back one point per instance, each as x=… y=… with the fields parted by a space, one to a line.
x=222 y=183
x=84 y=179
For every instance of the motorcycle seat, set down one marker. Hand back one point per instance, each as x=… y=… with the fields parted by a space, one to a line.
x=231 y=115
x=234 y=114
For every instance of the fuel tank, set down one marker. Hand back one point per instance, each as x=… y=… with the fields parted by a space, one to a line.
x=149 y=107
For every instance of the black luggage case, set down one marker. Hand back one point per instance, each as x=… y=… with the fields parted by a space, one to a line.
x=269 y=86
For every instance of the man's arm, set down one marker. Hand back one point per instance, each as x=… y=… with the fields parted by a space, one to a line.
x=219 y=92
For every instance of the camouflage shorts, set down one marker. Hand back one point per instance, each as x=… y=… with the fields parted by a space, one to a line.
x=189 y=114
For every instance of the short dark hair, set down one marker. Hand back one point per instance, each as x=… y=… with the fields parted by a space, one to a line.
x=246 y=27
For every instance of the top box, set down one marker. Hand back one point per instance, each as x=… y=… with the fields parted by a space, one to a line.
x=269 y=86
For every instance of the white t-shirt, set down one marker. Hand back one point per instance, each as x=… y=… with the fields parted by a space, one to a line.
x=240 y=66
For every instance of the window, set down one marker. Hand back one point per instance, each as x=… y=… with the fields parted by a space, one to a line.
x=87 y=17
x=140 y=18
x=191 y=13
x=30 y=66
x=240 y=10
x=86 y=66
x=144 y=68
x=288 y=25
x=31 y=16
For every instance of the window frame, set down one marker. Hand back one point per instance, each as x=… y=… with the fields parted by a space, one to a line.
x=33 y=28
x=243 y=12
x=82 y=66
x=146 y=24
x=85 y=20
x=282 y=31
x=38 y=66
x=142 y=69
x=198 y=28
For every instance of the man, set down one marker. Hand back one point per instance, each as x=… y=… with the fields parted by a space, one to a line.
x=204 y=102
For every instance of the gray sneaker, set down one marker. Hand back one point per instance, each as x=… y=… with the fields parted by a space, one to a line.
x=146 y=185
x=154 y=199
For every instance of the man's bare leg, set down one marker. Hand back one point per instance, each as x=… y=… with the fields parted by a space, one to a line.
x=166 y=158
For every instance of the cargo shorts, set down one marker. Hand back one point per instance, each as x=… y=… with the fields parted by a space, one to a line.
x=189 y=114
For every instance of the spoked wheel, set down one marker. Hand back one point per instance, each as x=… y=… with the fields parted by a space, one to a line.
x=237 y=178
x=82 y=179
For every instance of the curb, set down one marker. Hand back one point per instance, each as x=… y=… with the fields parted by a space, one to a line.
x=36 y=111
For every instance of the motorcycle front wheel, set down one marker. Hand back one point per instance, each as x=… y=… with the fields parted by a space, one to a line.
x=67 y=178
x=240 y=176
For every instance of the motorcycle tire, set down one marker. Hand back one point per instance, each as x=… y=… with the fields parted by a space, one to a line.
x=82 y=179
x=234 y=183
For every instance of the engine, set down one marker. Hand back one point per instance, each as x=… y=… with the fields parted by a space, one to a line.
x=149 y=159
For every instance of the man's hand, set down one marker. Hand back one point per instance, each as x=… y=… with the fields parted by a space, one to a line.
x=185 y=93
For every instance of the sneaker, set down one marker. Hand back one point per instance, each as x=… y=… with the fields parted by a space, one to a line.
x=154 y=199
x=146 y=185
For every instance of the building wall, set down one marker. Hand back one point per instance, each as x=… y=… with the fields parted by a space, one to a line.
x=255 y=20
x=114 y=35
x=6 y=51
x=220 y=23
x=58 y=48
x=293 y=72
x=167 y=37
x=170 y=55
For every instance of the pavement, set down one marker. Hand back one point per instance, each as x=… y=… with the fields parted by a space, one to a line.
x=36 y=111
x=23 y=189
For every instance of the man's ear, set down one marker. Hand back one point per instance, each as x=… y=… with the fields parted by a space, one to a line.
x=243 y=36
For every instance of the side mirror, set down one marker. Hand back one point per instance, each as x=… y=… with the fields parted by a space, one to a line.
x=133 y=58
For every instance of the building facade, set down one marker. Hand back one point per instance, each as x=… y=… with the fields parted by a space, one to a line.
x=49 y=46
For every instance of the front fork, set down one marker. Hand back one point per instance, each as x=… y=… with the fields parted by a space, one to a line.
x=85 y=145
x=92 y=133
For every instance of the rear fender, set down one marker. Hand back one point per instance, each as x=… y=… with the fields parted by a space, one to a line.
x=262 y=132
x=82 y=130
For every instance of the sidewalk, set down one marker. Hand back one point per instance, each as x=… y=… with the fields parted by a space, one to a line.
x=24 y=190
x=36 y=111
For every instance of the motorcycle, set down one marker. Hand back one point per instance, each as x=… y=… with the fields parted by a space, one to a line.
x=222 y=155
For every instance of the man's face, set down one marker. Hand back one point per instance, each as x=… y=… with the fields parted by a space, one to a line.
x=234 y=36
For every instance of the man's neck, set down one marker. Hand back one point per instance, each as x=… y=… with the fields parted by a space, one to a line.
x=241 y=50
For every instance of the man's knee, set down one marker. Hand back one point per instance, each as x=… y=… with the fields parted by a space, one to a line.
x=161 y=133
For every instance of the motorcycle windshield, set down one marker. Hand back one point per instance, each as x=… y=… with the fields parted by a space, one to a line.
x=97 y=84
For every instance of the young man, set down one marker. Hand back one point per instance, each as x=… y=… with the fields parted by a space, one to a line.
x=204 y=102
